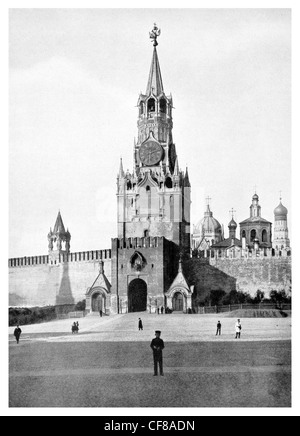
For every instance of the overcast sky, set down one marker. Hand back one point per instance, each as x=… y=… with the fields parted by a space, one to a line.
x=75 y=77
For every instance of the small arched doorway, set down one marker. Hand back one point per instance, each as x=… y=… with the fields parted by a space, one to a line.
x=137 y=296
x=98 y=302
x=177 y=302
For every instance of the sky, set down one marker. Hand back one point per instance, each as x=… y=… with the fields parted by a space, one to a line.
x=74 y=80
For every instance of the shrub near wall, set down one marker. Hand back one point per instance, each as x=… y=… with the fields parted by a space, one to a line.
x=34 y=315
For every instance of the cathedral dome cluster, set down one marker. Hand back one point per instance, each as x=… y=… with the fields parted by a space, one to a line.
x=255 y=231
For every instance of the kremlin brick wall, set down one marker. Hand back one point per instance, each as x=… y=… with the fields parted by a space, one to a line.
x=66 y=282
x=35 y=282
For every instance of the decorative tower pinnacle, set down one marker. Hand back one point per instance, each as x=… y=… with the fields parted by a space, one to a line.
x=58 y=240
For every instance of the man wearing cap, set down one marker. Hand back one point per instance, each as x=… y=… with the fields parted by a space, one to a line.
x=157 y=346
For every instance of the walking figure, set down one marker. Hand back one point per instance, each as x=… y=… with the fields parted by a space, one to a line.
x=17 y=333
x=74 y=328
x=162 y=310
x=219 y=326
x=157 y=346
x=238 y=328
x=140 y=324
x=100 y=312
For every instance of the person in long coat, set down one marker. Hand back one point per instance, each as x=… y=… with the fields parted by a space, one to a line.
x=157 y=346
x=17 y=333
x=140 y=324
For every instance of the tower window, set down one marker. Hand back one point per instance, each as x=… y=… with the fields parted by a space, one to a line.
x=163 y=105
x=169 y=183
x=151 y=105
x=141 y=108
x=146 y=233
x=148 y=189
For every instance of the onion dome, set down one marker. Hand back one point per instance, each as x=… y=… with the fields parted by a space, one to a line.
x=280 y=212
x=232 y=224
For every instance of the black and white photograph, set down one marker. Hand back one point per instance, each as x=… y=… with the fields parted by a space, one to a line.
x=149 y=188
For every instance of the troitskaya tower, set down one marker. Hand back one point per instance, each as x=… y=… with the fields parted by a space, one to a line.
x=153 y=201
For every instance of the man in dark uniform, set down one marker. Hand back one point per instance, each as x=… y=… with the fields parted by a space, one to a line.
x=157 y=346
x=17 y=333
x=219 y=326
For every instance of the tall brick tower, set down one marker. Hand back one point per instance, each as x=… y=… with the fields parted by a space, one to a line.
x=153 y=204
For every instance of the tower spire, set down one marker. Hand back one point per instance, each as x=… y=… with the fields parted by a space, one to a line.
x=155 y=85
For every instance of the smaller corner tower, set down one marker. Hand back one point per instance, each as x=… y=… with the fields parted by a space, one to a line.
x=58 y=241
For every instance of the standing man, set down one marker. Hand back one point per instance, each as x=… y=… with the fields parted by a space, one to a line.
x=219 y=326
x=140 y=324
x=157 y=346
x=17 y=333
x=238 y=328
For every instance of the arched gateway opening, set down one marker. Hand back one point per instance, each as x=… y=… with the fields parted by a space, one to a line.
x=98 y=302
x=178 y=302
x=137 y=296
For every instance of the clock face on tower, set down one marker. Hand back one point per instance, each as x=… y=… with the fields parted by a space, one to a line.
x=151 y=153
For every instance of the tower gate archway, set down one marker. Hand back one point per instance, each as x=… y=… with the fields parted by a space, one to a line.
x=177 y=302
x=98 y=302
x=137 y=296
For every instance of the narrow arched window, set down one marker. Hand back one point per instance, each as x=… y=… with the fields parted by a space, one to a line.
x=151 y=105
x=264 y=236
x=163 y=105
x=252 y=235
x=243 y=234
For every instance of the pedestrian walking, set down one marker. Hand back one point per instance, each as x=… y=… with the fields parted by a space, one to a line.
x=140 y=324
x=158 y=311
x=100 y=313
x=219 y=326
x=157 y=346
x=162 y=310
x=17 y=333
x=238 y=328
x=74 y=327
x=77 y=327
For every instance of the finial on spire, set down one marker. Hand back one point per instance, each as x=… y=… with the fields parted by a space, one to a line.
x=280 y=196
x=154 y=35
x=232 y=211
x=208 y=200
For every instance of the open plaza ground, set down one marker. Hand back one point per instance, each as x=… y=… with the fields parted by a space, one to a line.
x=109 y=363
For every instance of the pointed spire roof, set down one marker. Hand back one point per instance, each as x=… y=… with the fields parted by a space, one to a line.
x=59 y=225
x=176 y=168
x=186 y=178
x=121 y=171
x=155 y=85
